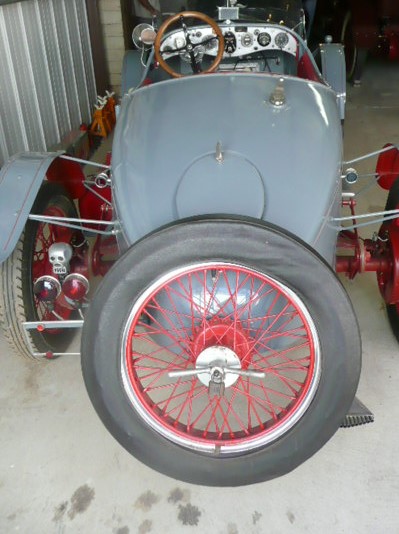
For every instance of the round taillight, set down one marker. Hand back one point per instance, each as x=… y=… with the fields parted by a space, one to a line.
x=46 y=288
x=75 y=286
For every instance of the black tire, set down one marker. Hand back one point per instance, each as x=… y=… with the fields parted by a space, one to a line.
x=256 y=246
x=17 y=302
x=393 y=196
x=393 y=309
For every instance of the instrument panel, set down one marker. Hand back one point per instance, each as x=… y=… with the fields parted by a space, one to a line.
x=240 y=40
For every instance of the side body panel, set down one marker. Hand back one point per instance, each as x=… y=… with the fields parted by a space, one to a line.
x=334 y=71
x=20 y=181
x=132 y=70
x=281 y=165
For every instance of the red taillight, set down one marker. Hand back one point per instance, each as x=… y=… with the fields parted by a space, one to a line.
x=75 y=287
x=46 y=288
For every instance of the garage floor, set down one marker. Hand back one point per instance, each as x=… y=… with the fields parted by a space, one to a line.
x=61 y=472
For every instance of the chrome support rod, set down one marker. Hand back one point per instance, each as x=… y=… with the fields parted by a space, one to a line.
x=68 y=223
x=395 y=214
x=201 y=370
x=370 y=155
x=380 y=217
x=45 y=218
x=54 y=354
x=33 y=325
x=87 y=186
x=86 y=162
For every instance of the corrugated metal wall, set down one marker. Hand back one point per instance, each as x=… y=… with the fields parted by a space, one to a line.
x=47 y=85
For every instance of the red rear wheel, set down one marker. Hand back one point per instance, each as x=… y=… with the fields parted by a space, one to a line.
x=28 y=262
x=388 y=282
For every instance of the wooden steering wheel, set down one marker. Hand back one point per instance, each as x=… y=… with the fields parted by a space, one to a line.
x=189 y=47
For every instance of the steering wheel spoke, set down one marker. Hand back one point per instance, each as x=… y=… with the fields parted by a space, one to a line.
x=195 y=65
x=189 y=47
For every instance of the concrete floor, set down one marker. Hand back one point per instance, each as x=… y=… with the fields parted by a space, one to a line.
x=61 y=472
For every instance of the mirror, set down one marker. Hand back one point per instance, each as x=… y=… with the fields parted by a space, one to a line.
x=148 y=36
x=143 y=35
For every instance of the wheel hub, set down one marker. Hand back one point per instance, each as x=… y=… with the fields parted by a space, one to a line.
x=218 y=360
x=222 y=335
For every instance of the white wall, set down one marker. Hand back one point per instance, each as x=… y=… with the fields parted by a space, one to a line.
x=111 y=18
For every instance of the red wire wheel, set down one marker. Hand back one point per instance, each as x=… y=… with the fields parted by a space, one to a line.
x=389 y=242
x=220 y=316
x=221 y=351
x=29 y=261
x=387 y=167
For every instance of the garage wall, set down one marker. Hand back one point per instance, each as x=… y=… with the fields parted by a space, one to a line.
x=111 y=19
x=47 y=85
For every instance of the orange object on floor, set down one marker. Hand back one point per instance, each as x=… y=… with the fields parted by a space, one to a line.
x=100 y=125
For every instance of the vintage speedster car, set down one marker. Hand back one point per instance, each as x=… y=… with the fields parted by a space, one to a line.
x=220 y=348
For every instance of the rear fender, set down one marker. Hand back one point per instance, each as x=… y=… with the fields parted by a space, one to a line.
x=20 y=181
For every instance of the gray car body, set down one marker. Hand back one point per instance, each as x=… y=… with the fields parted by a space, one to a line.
x=280 y=164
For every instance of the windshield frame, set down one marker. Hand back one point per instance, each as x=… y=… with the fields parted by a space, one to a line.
x=287 y=13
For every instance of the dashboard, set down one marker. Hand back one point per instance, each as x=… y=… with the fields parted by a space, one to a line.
x=240 y=40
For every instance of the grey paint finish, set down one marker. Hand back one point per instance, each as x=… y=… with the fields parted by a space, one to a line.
x=132 y=70
x=334 y=71
x=165 y=128
x=204 y=184
x=20 y=181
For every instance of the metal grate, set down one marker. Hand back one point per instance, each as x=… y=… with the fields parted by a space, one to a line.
x=47 y=85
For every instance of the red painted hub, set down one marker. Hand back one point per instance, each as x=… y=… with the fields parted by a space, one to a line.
x=388 y=280
x=222 y=334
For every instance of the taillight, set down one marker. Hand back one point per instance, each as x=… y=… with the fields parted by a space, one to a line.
x=46 y=288
x=75 y=287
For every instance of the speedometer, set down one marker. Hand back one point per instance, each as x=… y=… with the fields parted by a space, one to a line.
x=281 y=39
x=264 y=39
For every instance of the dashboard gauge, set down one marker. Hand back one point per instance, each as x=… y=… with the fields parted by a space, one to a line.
x=281 y=39
x=230 y=42
x=180 y=42
x=264 y=39
x=247 y=39
x=209 y=43
x=198 y=52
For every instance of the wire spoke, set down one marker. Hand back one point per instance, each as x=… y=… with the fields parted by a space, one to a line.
x=192 y=314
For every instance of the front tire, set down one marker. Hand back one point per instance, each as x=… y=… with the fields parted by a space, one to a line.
x=221 y=293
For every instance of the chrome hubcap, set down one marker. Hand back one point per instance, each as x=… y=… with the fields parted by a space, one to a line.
x=219 y=360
